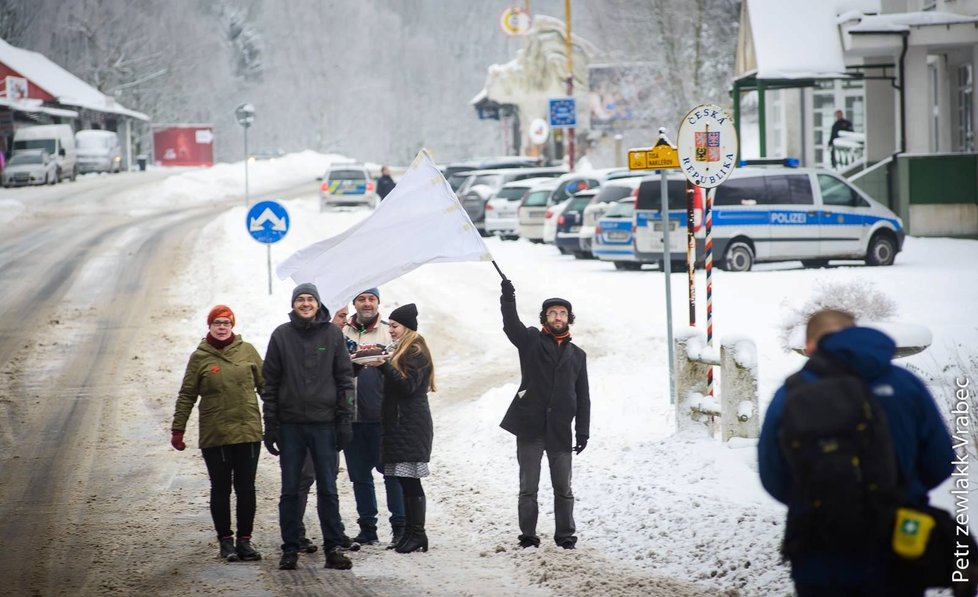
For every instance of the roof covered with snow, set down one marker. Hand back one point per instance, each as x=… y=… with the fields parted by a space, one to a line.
x=903 y=21
x=66 y=87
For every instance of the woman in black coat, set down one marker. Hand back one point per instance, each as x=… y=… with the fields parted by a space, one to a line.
x=409 y=374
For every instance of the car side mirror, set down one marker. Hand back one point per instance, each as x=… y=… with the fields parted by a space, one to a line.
x=61 y=152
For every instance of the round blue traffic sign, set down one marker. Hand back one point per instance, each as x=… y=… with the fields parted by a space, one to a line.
x=267 y=222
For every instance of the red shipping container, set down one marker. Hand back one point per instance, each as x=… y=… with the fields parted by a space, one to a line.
x=183 y=145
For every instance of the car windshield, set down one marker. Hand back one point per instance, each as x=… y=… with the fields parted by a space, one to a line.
x=346 y=175
x=622 y=209
x=611 y=193
x=491 y=180
x=578 y=203
x=92 y=142
x=511 y=193
x=536 y=199
x=25 y=158
x=456 y=180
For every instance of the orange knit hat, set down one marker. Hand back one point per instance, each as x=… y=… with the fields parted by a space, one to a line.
x=220 y=311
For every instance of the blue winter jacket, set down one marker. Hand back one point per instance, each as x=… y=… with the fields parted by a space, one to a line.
x=920 y=438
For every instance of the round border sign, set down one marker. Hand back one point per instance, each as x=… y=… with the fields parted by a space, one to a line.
x=707 y=145
x=515 y=21
x=539 y=131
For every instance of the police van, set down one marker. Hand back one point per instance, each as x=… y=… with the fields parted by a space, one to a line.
x=766 y=214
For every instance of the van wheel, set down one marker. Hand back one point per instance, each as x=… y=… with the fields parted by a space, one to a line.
x=739 y=258
x=881 y=251
x=814 y=262
x=57 y=175
x=50 y=180
x=74 y=173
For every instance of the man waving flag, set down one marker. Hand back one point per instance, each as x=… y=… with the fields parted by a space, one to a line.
x=420 y=221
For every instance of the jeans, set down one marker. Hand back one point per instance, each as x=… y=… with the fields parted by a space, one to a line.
x=319 y=439
x=529 y=453
x=362 y=456
x=306 y=478
x=232 y=466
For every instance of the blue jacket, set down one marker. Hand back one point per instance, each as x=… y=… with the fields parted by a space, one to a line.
x=920 y=438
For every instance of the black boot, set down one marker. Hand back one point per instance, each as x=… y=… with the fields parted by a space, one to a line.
x=397 y=535
x=227 y=549
x=246 y=551
x=415 y=538
x=368 y=534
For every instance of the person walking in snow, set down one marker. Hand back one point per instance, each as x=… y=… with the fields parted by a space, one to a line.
x=366 y=329
x=552 y=401
x=409 y=374
x=225 y=372
x=308 y=407
x=912 y=455
x=385 y=184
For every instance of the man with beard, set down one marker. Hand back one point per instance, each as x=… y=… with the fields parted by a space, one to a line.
x=553 y=393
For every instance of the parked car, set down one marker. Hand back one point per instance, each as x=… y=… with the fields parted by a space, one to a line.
x=56 y=139
x=612 y=239
x=98 y=151
x=455 y=171
x=775 y=214
x=347 y=185
x=501 y=209
x=266 y=153
x=609 y=193
x=533 y=217
x=484 y=183
x=568 y=238
x=533 y=210
x=30 y=166
x=550 y=220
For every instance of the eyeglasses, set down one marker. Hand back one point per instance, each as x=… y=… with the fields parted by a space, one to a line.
x=221 y=322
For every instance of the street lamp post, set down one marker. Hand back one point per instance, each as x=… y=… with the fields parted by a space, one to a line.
x=245 y=114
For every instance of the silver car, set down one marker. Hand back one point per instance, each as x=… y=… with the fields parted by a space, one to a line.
x=30 y=166
x=347 y=185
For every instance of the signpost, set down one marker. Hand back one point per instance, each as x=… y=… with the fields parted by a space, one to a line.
x=267 y=222
x=245 y=113
x=707 y=153
x=662 y=156
x=515 y=21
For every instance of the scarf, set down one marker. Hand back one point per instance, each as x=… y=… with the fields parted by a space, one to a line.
x=361 y=327
x=219 y=344
x=558 y=338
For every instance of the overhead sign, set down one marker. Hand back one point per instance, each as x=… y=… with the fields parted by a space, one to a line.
x=515 y=21
x=204 y=136
x=707 y=144
x=539 y=131
x=267 y=222
x=563 y=112
x=661 y=157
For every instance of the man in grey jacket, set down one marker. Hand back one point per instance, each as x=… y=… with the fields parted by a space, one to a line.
x=308 y=407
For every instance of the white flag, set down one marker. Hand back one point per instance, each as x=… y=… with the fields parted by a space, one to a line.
x=420 y=221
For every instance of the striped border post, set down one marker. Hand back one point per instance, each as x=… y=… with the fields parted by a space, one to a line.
x=708 y=245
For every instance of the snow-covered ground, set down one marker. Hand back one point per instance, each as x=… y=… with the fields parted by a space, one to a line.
x=654 y=508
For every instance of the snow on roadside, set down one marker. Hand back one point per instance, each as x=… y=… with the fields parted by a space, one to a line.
x=654 y=507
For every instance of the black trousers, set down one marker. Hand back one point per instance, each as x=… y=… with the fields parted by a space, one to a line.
x=233 y=466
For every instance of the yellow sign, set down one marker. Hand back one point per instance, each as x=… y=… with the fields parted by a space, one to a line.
x=660 y=157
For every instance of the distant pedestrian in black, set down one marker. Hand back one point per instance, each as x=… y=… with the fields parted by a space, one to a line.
x=840 y=124
x=553 y=395
x=385 y=184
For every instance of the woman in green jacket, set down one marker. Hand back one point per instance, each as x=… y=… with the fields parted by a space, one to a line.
x=225 y=372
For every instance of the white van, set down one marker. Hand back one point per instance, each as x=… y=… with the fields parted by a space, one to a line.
x=773 y=214
x=98 y=151
x=57 y=139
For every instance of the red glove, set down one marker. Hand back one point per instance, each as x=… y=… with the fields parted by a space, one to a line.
x=176 y=440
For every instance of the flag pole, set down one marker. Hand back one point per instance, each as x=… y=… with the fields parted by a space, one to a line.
x=501 y=274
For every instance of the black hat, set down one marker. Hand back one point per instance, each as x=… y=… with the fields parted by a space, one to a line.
x=307 y=288
x=406 y=315
x=555 y=302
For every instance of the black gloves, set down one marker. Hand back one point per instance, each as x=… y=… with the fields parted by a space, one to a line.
x=344 y=433
x=508 y=291
x=271 y=439
x=581 y=444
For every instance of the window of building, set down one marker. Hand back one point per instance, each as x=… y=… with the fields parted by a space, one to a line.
x=966 y=131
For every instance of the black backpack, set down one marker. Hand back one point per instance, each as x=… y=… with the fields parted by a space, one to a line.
x=837 y=443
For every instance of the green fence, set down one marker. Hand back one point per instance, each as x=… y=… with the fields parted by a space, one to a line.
x=942 y=179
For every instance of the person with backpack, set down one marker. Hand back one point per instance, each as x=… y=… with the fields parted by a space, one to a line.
x=844 y=442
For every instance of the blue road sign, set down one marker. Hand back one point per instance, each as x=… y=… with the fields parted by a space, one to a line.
x=563 y=112
x=267 y=222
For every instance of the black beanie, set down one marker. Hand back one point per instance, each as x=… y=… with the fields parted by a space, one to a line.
x=307 y=288
x=406 y=315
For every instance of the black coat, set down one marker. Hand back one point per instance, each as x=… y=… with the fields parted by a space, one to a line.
x=553 y=391
x=308 y=374
x=385 y=184
x=407 y=427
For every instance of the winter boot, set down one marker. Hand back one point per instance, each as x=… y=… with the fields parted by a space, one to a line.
x=337 y=560
x=368 y=534
x=227 y=549
x=397 y=535
x=289 y=561
x=349 y=544
x=246 y=552
x=307 y=546
x=415 y=538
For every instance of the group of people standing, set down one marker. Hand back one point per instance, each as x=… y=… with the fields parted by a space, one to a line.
x=316 y=403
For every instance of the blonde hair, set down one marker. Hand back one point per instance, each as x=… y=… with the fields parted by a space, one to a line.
x=412 y=343
x=826 y=322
